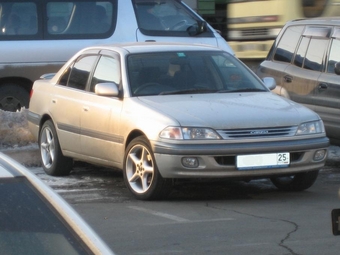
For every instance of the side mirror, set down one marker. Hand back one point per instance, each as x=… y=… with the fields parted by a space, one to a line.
x=47 y=76
x=197 y=29
x=337 y=68
x=108 y=89
x=269 y=82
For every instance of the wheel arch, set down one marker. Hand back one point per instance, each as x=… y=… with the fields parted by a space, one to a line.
x=20 y=81
x=133 y=134
x=43 y=119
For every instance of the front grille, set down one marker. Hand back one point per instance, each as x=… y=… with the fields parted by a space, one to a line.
x=257 y=132
x=255 y=32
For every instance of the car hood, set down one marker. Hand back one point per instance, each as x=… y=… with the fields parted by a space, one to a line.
x=231 y=110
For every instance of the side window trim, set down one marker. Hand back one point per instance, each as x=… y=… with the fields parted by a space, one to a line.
x=89 y=73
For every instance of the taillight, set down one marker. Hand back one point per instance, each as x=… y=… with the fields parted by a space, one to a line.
x=31 y=93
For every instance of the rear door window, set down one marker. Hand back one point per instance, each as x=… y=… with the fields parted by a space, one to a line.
x=18 y=19
x=334 y=55
x=80 y=19
x=315 y=54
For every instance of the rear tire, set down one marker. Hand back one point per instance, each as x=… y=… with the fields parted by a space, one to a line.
x=298 y=182
x=53 y=161
x=141 y=174
x=13 y=97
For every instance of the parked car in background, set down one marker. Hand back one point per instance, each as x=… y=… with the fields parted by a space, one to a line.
x=36 y=220
x=305 y=62
x=39 y=36
x=166 y=111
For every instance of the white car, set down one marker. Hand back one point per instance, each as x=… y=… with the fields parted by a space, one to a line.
x=166 y=111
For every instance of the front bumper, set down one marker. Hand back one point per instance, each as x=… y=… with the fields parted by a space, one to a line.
x=219 y=160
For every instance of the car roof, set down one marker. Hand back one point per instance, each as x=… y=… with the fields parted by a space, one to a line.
x=316 y=21
x=141 y=47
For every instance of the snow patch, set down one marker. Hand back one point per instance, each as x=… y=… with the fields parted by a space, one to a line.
x=14 y=130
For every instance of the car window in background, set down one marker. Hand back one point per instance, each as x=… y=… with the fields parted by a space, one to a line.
x=18 y=18
x=107 y=70
x=287 y=44
x=301 y=52
x=80 y=18
x=81 y=71
x=315 y=53
x=334 y=55
x=61 y=20
x=29 y=225
x=165 y=17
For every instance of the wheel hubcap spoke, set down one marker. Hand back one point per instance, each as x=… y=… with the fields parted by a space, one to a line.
x=47 y=147
x=139 y=169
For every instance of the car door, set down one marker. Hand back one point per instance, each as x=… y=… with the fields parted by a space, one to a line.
x=327 y=98
x=100 y=115
x=301 y=78
x=66 y=103
x=280 y=58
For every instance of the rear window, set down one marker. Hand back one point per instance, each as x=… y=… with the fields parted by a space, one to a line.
x=57 y=19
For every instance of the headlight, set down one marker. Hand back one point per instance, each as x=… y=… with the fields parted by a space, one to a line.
x=189 y=133
x=312 y=127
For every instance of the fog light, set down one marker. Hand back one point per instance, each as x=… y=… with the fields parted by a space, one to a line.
x=190 y=162
x=319 y=155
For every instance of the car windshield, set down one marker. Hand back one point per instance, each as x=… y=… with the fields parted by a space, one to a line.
x=188 y=72
x=165 y=17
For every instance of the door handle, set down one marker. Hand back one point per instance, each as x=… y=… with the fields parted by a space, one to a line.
x=323 y=86
x=86 y=108
x=288 y=78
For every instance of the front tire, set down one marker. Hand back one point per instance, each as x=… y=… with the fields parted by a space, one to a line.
x=298 y=182
x=53 y=161
x=141 y=174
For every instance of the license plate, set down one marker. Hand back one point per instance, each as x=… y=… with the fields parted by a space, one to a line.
x=257 y=161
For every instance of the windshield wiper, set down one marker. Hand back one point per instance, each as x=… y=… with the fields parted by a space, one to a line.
x=242 y=90
x=189 y=91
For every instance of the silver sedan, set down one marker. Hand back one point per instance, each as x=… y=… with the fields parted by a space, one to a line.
x=161 y=112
